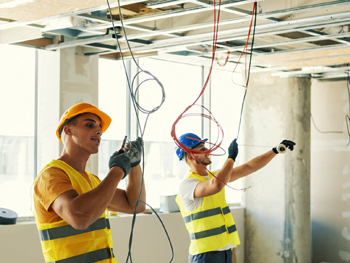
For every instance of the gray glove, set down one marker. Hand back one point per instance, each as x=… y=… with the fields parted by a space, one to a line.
x=134 y=150
x=121 y=159
x=233 y=150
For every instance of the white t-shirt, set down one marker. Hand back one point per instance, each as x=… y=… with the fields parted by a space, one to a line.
x=186 y=192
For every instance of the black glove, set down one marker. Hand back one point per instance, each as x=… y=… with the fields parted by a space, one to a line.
x=119 y=158
x=283 y=146
x=134 y=150
x=233 y=150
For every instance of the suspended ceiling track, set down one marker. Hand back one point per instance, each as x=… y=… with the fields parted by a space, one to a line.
x=179 y=39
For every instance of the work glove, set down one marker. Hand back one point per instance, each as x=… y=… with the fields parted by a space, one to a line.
x=233 y=150
x=134 y=150
x=283 y=146
x=121 y=159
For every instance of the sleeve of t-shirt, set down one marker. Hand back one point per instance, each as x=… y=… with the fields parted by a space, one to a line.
x=51 y=183
x=186 y=192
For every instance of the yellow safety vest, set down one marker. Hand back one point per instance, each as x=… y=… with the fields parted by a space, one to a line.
x=61 y=243
x=211 y=226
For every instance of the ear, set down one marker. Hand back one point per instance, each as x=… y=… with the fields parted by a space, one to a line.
x=67 y=130
x=190 y=157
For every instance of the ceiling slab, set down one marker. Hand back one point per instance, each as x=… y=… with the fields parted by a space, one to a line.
x=41 y=9
x=288 y=35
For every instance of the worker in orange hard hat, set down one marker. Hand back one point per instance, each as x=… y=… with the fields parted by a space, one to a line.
x=72 y=205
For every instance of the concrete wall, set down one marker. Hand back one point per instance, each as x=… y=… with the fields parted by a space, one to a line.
x=78 y=83
x=278 y=202
x=20 y=242
x=330 y=177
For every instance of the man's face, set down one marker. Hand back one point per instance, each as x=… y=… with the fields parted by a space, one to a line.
x=203 y=158
x=87 y=132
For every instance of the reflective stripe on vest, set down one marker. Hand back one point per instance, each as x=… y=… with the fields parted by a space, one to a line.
x=207 y=213
x=68 y=230
x=90 y=257
x=210 y=226
x=61 y=243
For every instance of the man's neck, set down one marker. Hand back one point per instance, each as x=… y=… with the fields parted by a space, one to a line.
x=75 y=160
x=199 y=170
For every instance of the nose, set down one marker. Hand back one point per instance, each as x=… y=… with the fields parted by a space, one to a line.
x=98 y=131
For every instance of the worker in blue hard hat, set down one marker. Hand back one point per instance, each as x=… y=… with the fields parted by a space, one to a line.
x=202 y=202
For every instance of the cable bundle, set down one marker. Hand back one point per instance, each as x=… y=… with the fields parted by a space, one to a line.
x=209 y=116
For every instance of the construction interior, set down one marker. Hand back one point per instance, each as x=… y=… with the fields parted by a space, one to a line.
x=297 y=209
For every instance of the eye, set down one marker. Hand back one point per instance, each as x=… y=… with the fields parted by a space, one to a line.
x=89 y=125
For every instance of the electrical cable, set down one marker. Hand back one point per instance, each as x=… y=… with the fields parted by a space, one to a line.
x=313 y=121
x=166 y=232
x=226 y=60
x=137 y=105
x=210 y=116
x=250 y=61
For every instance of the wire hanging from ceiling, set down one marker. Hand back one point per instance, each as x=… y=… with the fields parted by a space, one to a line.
x=136 y=106
x=210 y=116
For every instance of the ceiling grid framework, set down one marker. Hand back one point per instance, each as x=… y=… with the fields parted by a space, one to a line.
x=310 y=40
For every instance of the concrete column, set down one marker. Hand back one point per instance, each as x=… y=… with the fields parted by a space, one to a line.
x=48 y=107
x=278 y=203
x=78 y=83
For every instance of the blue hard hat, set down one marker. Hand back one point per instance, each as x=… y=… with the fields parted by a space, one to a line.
x=186 y=139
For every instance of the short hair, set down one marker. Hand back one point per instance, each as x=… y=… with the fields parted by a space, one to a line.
x=72 y=121
x=185 y=154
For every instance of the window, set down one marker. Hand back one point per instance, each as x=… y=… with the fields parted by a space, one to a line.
x=226 y=103
x=112 y=100
x=182 y=83
x=17 y=129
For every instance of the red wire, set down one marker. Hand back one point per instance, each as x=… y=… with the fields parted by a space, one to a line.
x=217 y=144
x=244 y=51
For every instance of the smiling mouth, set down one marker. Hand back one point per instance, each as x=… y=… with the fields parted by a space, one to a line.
x=96 y=140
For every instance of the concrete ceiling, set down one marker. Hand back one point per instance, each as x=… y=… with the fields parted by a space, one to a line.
x=292 y=37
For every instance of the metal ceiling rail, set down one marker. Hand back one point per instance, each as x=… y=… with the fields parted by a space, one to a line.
x=300 y=9
x=311 y=71
x=292 y=41
x=168 y=3
x=168 y=14
x=282 y=26
x=206 y=24
x=80 y=42
x=243 y=36
x=323 y=36
x=187 y=11
x=151 y=30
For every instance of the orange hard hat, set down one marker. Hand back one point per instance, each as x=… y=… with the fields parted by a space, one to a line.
x=83 y=108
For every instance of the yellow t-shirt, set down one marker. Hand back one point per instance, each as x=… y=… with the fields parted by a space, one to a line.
x=50 y=184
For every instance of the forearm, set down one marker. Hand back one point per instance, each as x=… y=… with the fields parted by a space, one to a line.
x=225 y=172
x=252 y=166
x=134 y=187
x=260 y=161
x=82 y=210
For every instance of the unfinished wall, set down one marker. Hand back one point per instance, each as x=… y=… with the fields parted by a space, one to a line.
x=150 y=244
x=330 y=177
x=278 y=203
